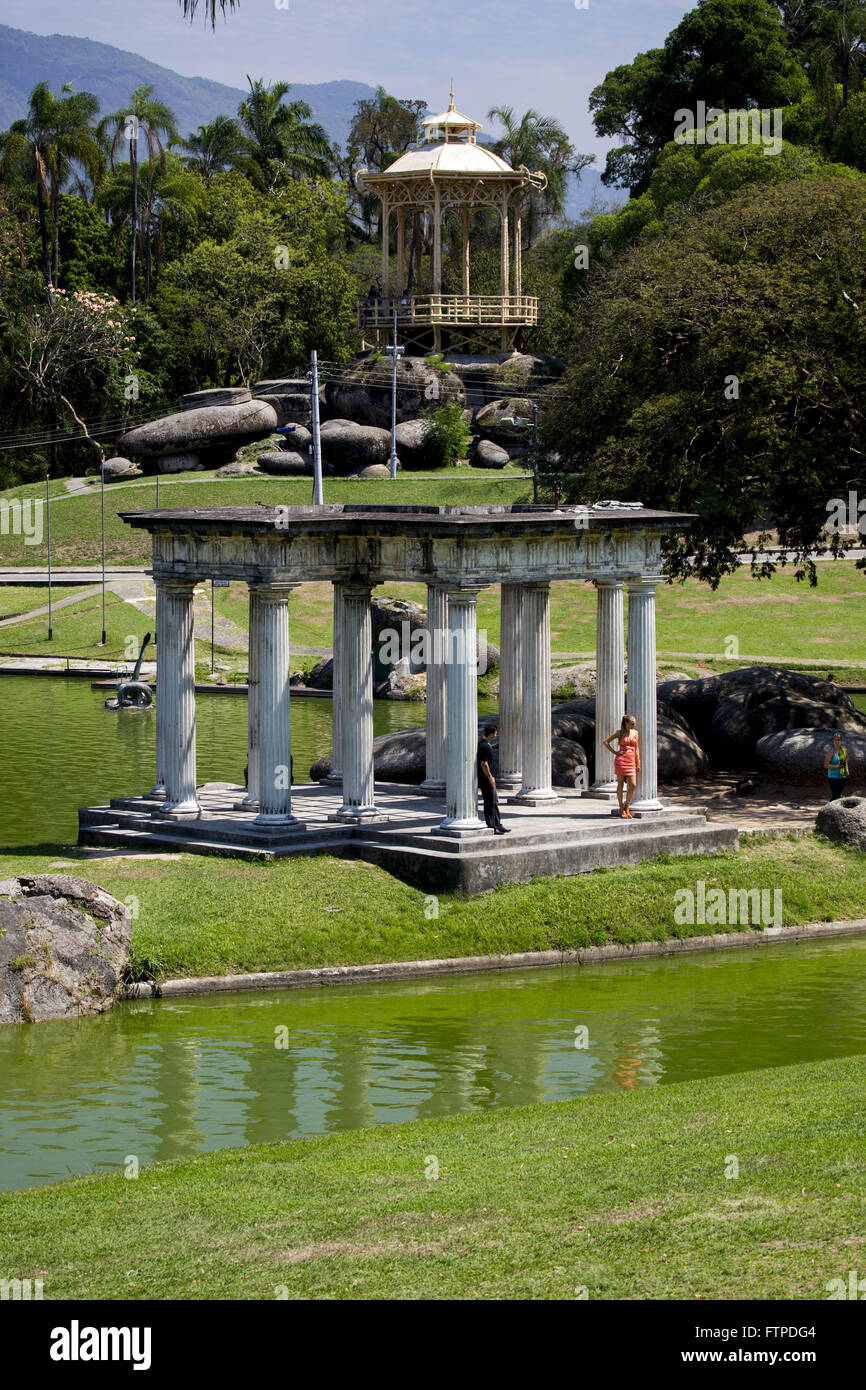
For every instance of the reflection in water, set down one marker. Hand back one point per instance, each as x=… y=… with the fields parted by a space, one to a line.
x=163 y=1078
x=62 y=750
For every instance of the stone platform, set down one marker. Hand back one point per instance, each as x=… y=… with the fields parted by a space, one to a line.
x=570 y=836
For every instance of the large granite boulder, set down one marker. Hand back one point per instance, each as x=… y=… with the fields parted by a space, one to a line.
x=289 y=397
x=486 y=454
x=348 y=446
x=119 y=468
x=64 y=944
x=570 y=764
x=680 y=756
x=373 y=470
x=399 y=757
x=797 y=755
x=495 y=422
x=413 y=451
x=300 y=438
x=844 y=820
x=486 y=378
x=215 y=395
x=286 y=462
x=362 y=392
x=176 y=463
x=198 y=429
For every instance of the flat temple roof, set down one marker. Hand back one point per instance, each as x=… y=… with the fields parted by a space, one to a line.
x=357 y=517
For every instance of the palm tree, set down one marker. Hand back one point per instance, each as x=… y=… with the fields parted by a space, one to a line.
x=215 y=147
x=210 y=8
x=171 y=194
x=539 y=143
x=48 y=147
x=835 y=49
x=155 y=121
x=281 y=138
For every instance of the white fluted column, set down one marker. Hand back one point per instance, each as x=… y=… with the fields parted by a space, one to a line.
x=461 y=796
x=335 y=776
x=437 y=681
x=537 y=771
x=251 y=801
x=610 y=680
x=158 y=789
x=274 y=748
x=177 y=640
x=642 y=688
x=510 y=777
x=356 y=670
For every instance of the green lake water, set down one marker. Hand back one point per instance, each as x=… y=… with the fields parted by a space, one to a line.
x=61 y=749
x=166 y=1078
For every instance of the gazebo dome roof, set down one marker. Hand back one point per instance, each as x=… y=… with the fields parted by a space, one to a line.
x=448 y=157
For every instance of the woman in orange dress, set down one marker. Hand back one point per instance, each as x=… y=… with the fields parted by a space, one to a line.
x=626 y=763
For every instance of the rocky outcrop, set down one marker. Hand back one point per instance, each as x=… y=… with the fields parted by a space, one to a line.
x=202 y=429
x=797 y=756
x=729 y=714
x=844 y=820
x=348 y=447
x=64 y=944
x=363 y=391
x=288 y=397
x=569 y=763
x=486 y=378
x=373 y=470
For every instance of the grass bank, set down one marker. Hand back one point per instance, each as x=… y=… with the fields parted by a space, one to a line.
x=625 y=1196
x=214 y=916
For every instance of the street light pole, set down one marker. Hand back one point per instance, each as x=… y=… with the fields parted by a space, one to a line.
x=313 y=374
x=102 y=494
x=395 y=352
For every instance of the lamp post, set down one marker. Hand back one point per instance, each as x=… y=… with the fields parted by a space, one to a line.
x=48 y=525
x=394 y=352
x=313 y=374
x=102 y=499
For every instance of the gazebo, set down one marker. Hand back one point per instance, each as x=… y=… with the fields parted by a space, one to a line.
x=450 y=171
x=431 y=834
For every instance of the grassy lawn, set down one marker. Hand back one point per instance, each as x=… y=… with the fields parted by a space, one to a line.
x=213 y=916
x=78 y=628
x=18 y=598
x=621 y=1196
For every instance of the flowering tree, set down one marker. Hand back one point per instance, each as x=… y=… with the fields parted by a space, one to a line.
x=74 y=347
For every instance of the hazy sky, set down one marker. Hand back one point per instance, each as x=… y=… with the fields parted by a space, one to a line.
x=542 y=53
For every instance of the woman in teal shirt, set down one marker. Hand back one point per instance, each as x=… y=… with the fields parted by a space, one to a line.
x=836 y=764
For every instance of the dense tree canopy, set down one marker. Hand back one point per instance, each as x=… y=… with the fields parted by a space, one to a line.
x=720 y=368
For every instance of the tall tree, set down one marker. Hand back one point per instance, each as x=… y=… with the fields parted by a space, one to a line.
x=170 y=195
x=730 y=54
x=539 y=143
x=47 y=148
x=834 y=50
x=281 y=138
x=150 y=120
x=215 y=147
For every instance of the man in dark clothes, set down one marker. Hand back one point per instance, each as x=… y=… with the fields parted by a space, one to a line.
x=487 y=782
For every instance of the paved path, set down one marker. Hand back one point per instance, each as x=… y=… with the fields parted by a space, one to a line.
x=55 y=604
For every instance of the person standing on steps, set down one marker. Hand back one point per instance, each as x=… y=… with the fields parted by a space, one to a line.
x=836 y=766
x=626 y=762
x=487 y=782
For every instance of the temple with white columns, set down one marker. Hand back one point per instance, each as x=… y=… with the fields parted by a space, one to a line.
x=430 y=834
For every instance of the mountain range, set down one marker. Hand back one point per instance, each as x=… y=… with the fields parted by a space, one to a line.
x=113 y=73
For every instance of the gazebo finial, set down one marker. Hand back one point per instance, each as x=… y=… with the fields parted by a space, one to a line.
x=451 y=102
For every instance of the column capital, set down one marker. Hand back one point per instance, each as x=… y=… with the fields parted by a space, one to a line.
x=356 y=588
x=644 y=583
x=176 y=583
x=463 y=593
x=272 y=590
x=607 y=583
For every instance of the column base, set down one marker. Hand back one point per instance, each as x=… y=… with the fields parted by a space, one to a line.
x=647 y=806
x=434 y=786
x=333 y=779
x=359 y=815
x=249 y=803
x=535 y=796
x=602 y=791
x=270 y=820
x=180 y=810
x=509 y=781
x=461 y=829
x=157 y=793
